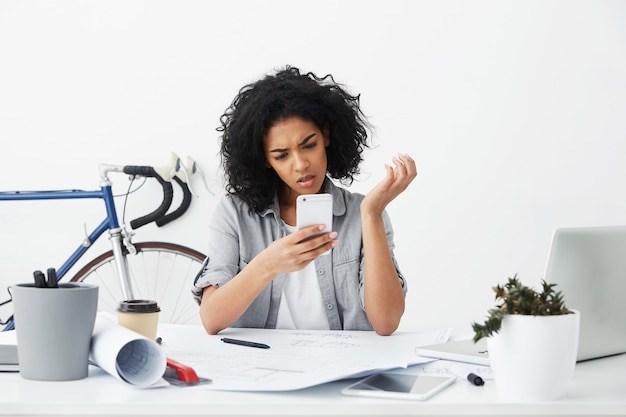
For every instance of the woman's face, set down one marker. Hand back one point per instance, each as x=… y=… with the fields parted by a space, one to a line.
x=296 y=149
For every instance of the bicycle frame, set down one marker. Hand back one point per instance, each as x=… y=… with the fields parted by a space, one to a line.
x=110 y=223
x=121 y=239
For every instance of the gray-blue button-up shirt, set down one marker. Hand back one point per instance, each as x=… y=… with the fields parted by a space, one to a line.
x=237 y=236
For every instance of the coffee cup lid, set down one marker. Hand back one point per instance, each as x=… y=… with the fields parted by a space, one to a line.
x=138 y=306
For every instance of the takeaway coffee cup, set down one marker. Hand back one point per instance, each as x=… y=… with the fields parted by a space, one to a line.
x=141 y=316
x=53 y=329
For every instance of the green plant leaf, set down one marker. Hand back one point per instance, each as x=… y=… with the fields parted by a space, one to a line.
x=516 y=298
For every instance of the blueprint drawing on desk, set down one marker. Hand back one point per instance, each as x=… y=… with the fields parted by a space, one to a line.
x=296 y=358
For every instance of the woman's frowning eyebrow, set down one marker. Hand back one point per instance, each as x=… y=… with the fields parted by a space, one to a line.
x=303 y=142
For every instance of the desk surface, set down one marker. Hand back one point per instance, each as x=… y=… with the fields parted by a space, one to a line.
x=598 y=388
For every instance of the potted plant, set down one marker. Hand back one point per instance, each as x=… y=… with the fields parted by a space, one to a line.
x=532 y=339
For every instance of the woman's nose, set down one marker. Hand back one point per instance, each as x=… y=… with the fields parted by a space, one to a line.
x=300 y=162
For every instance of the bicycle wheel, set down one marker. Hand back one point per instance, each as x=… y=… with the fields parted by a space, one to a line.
x=159 y=271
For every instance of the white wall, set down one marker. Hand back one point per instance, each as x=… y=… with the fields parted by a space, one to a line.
x=514 y=112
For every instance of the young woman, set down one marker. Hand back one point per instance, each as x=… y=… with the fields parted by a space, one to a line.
x=285 y=135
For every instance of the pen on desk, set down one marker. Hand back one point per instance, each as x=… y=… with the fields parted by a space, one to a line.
x=245 y=343
x=471 y=377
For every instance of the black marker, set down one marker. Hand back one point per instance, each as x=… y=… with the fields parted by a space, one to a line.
x=40 y=279
x=475 y=379
x=245 y=343
x=52 y=278
x=471 y=377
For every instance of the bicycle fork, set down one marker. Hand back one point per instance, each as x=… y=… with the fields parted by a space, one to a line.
x=121 y=263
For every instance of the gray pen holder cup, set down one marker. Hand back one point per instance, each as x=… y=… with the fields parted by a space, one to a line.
x=53 y=329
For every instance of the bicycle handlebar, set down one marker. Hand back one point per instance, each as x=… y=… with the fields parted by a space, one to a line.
x=184 y=205
x=160 y=216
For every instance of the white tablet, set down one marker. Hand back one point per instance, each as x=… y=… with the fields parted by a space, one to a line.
x=399 y=386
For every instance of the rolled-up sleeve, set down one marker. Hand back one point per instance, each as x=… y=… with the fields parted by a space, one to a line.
x=223 y=261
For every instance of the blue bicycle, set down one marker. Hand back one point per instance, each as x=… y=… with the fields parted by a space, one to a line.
x=158 y=271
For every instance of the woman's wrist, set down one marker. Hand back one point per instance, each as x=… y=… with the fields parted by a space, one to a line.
x=369 y=213
x=263 y=270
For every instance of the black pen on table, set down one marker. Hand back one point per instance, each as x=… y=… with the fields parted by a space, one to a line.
x=245 y=343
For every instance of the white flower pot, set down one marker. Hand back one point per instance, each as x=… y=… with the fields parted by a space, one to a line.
x=533 y=357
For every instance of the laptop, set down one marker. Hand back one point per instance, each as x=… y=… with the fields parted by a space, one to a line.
x=459 y=351
x=588 y=264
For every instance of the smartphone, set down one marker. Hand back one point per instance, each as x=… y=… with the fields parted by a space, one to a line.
x=315 y=209
x=399 y=386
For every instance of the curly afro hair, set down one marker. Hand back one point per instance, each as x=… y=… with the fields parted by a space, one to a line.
x=288 y=93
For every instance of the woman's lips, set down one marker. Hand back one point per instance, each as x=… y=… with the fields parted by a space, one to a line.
x=307 y=181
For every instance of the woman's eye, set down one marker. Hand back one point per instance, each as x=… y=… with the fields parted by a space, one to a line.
x=310 y=145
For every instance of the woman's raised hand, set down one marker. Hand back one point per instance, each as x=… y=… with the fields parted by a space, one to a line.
x=395 y=182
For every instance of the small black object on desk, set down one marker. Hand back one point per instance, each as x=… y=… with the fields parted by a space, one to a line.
x=245 y=343
x=475 y=379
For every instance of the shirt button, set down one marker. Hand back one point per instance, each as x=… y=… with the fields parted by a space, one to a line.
x=329 y=306
x=321 y=271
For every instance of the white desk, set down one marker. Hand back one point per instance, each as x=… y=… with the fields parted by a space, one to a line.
x=598 y=388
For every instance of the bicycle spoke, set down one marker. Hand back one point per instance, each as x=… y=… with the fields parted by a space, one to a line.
x=161 y=272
